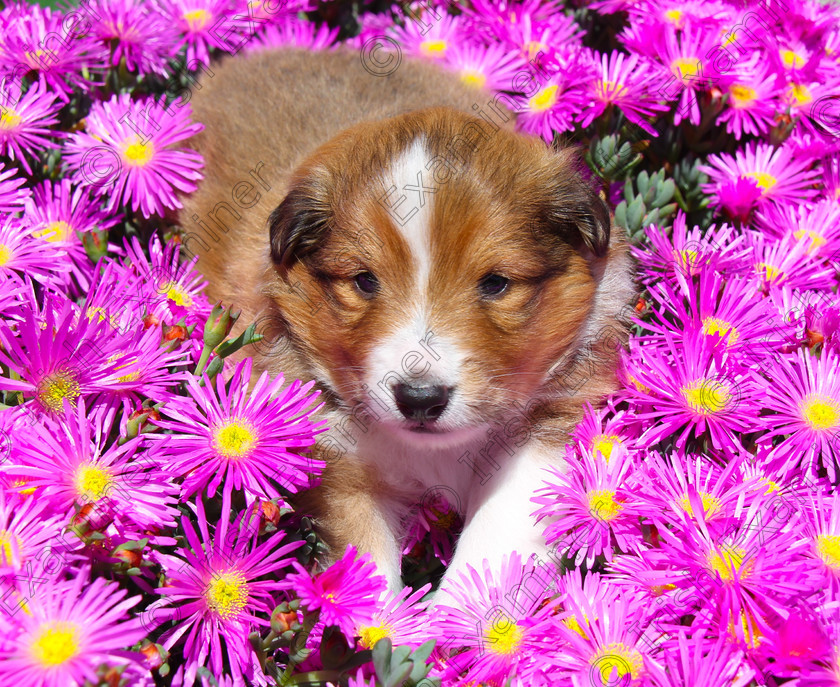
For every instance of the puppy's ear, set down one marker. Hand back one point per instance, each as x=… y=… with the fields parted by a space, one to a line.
x=300 y=223
x=576 y=210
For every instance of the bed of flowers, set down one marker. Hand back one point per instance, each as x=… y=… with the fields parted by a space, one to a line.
x=146 y=536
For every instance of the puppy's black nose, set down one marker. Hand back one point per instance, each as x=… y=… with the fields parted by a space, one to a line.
x=422 y=403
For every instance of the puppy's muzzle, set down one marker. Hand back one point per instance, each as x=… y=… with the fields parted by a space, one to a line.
x=421 y=403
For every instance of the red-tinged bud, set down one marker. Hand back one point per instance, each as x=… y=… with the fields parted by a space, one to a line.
x=152 y=653
x=814 y=338
x=641 y=305
x=283 y=621
x=150 y=321
x=176 y=332
x=270 y=512
x=218 y=325
x=91 y=517
x=132 y=558
x=95 y=242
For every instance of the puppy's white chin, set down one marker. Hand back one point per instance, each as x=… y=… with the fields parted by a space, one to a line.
x=434 y=436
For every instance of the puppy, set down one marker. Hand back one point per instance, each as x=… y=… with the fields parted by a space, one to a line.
x=453 y=287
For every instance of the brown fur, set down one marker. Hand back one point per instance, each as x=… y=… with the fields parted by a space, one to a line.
x=324 y=131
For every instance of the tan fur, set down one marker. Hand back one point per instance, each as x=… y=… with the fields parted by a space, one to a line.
x=317 y=130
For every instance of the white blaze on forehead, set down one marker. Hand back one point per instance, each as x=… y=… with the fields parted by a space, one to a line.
x=409 y=198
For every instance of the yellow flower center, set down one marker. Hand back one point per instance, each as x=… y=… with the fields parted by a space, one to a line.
x=713 y=325
x=816 y=241
x=602 y=504
x=821 y=412
x=227 y=594
x=828 y=548
x=572 y=623
x=54 y=232
x=771 y=485
x=730 y=559
x=5 y=254
x=742 y=96
x=711 y=504
x=675 y=17
x=613 y=90
x=614 y=662
x=433 y=48
x=369 y=636
x=504 y=637
x=769 y=272
x=9 y=119
x=234 y=439
x=706 y=396
x=93 y=482
x=11 y=548
x=55 y=643
x=545 y=99
x=137 y=154
x=197 y=19
x=685 y=66
x=641 y=387
x=605 y=444
x=176 y=293
x=54 y=388
x=473 y=78
x=800 y=94
x=533 y=48
x=660 y=589
x=764 y=180
x=791 y=60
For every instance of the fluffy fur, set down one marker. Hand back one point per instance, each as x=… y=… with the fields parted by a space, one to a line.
x=318 y=172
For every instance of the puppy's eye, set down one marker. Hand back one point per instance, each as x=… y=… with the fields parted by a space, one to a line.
x=367 y=283
x=493 y=286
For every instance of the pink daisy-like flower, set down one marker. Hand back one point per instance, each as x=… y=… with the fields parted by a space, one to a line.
x=70 y=629
x=490 y=67
x=495 y=625
x=401 y=619
x=591 y=507
x=780 y=177
x=28 y=526
x=22 y=253
x=137 y=34
x=628 y=85
x=686 y=69
x=823 y=526
x=557 y=93
x=206 y=25
x=216 y=597
x=71 y=465
x=12 y=196
x=751 y=102
x=169 y=290
x=437 y=519
x=57 y=356
x=703 y=662
x=346 y=594
x=724 y=309
x=818 y=222
x=238 y=439
x=430 y=35
x=693 y=387
x=529 y=26
x=603 y=644
x=126 y=153
x=296 y=33
x=687 y=251
x=25 y=121
x=65 y=57
x=607 y=430
x=55 y=213
x=788 y=262
x=804 y=394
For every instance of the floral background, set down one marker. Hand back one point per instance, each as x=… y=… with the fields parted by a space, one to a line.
x=145 y=534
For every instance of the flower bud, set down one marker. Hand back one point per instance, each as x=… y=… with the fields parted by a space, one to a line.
x=218 y=326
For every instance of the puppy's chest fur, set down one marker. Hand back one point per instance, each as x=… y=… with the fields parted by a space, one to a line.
x=455 y=289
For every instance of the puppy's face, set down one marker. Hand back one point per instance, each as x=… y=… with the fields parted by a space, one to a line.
x=441 y=269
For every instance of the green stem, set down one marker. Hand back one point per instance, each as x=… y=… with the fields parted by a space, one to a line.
x=202 y=361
